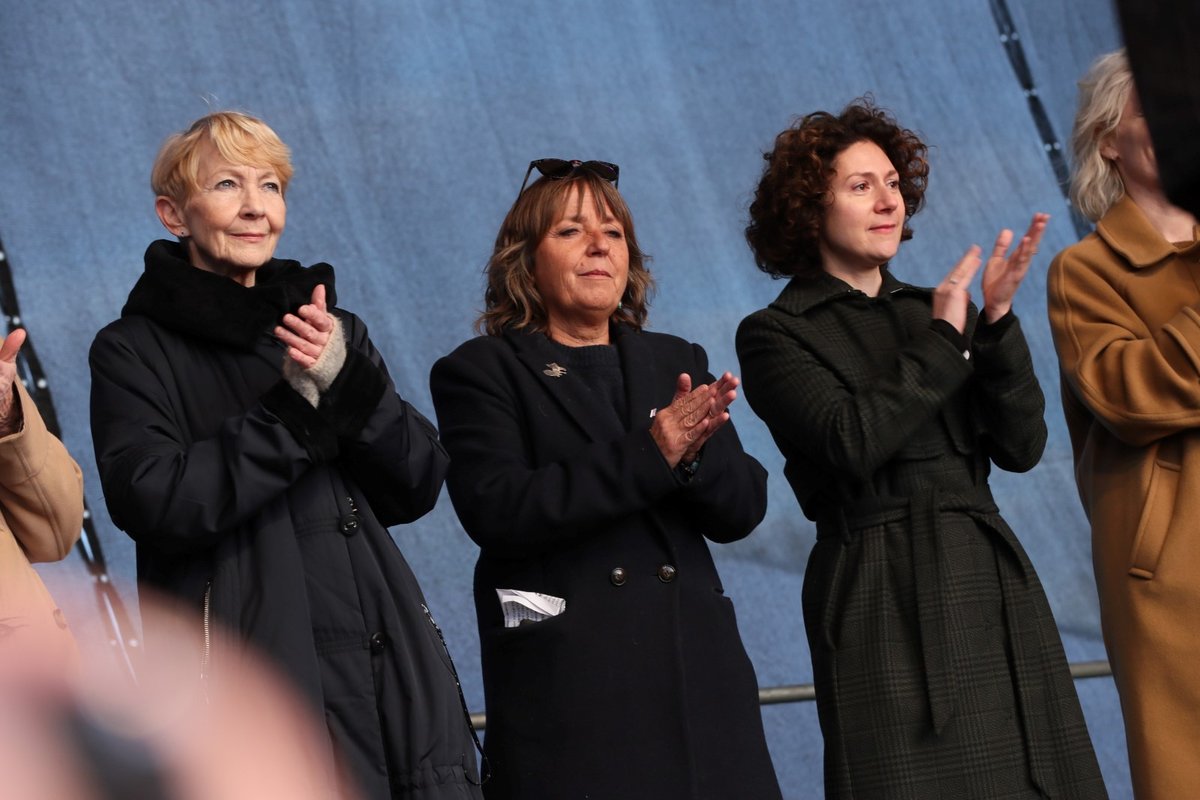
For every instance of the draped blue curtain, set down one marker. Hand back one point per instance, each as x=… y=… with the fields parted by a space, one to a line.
x=411 y=124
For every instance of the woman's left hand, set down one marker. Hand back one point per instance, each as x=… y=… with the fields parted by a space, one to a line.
x=1003 y=274
x=306 y=332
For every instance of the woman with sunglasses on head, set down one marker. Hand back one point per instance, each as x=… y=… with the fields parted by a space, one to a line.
x=590 y=460
x=938 y=667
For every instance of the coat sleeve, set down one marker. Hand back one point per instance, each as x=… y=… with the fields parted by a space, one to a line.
x=179 y=495
x=850 y=434
x=386 y=445
x=508 y=503
x=1141 y=384
x=41 y=487
x=1009 y=404
x=727 y=497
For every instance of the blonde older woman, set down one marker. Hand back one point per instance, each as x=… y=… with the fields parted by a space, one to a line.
x=1125 y=312
x=250 y=440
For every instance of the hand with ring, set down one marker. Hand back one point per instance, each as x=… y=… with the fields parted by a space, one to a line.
x=693 y=416
x=951 y=297
x=724 y=393
x=1001 y=276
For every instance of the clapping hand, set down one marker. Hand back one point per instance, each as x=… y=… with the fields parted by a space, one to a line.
x=10 y=409
x=306 y=332
x=1001 y=277
x=695 y=414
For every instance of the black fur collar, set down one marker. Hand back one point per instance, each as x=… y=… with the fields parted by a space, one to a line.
x=197 y=303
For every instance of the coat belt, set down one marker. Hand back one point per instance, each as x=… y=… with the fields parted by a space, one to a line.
x=943 y=645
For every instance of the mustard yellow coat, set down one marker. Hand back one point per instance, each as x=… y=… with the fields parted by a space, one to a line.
x=41 y=513
x=1125 y=312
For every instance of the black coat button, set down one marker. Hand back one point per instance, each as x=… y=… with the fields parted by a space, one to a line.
x=666 y=573
x=349 y=524
x=378 y=641
x=617 y=576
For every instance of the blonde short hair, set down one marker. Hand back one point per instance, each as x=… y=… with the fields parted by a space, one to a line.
x=1095 y=183
x=239 y=138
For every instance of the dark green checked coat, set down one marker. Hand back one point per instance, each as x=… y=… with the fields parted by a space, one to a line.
x=938 y=666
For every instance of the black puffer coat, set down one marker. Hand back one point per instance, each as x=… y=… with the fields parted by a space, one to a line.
x=249 y=504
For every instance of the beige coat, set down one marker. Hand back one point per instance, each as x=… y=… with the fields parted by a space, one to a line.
x=41 y=513
x=1125 y=312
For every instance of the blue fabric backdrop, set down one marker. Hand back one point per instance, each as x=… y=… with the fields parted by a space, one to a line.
x=411 y=124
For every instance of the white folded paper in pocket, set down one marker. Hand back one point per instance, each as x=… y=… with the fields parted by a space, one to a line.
x=525 y=607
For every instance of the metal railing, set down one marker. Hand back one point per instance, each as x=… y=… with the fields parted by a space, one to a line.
x=803 y=692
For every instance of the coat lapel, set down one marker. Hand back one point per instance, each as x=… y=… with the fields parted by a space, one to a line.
x=643 y=381
x=561 y=383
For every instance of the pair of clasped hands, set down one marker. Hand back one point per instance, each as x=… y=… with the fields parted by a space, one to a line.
x=695 y=414
x=1001 y=277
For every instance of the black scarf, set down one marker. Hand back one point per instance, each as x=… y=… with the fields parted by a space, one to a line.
x=194 y=302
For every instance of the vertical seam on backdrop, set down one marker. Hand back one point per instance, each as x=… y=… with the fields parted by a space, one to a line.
x=1010 y=40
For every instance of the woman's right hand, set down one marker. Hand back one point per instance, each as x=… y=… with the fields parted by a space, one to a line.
x=307 y=332
x=10 y=409
x=952 y=296
x=690 y=420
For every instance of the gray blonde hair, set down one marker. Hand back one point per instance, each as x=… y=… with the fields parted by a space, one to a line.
x=1103 y=92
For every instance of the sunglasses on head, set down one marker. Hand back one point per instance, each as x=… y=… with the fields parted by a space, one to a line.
x=558 y=168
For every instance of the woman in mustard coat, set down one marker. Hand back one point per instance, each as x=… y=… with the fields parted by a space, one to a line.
x=1125 y=311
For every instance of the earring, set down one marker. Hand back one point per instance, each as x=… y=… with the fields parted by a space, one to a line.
x=620 y=305
x=183 y=233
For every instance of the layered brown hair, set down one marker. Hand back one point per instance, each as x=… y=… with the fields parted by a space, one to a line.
x=511 y=299
x=789 y=204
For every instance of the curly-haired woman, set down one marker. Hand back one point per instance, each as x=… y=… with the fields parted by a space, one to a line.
x=938 y=668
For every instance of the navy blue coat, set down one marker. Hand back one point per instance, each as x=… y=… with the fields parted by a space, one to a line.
x=642 y=687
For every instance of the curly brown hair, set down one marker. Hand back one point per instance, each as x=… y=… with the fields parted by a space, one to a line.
x=789 y=204
x=511 y=298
